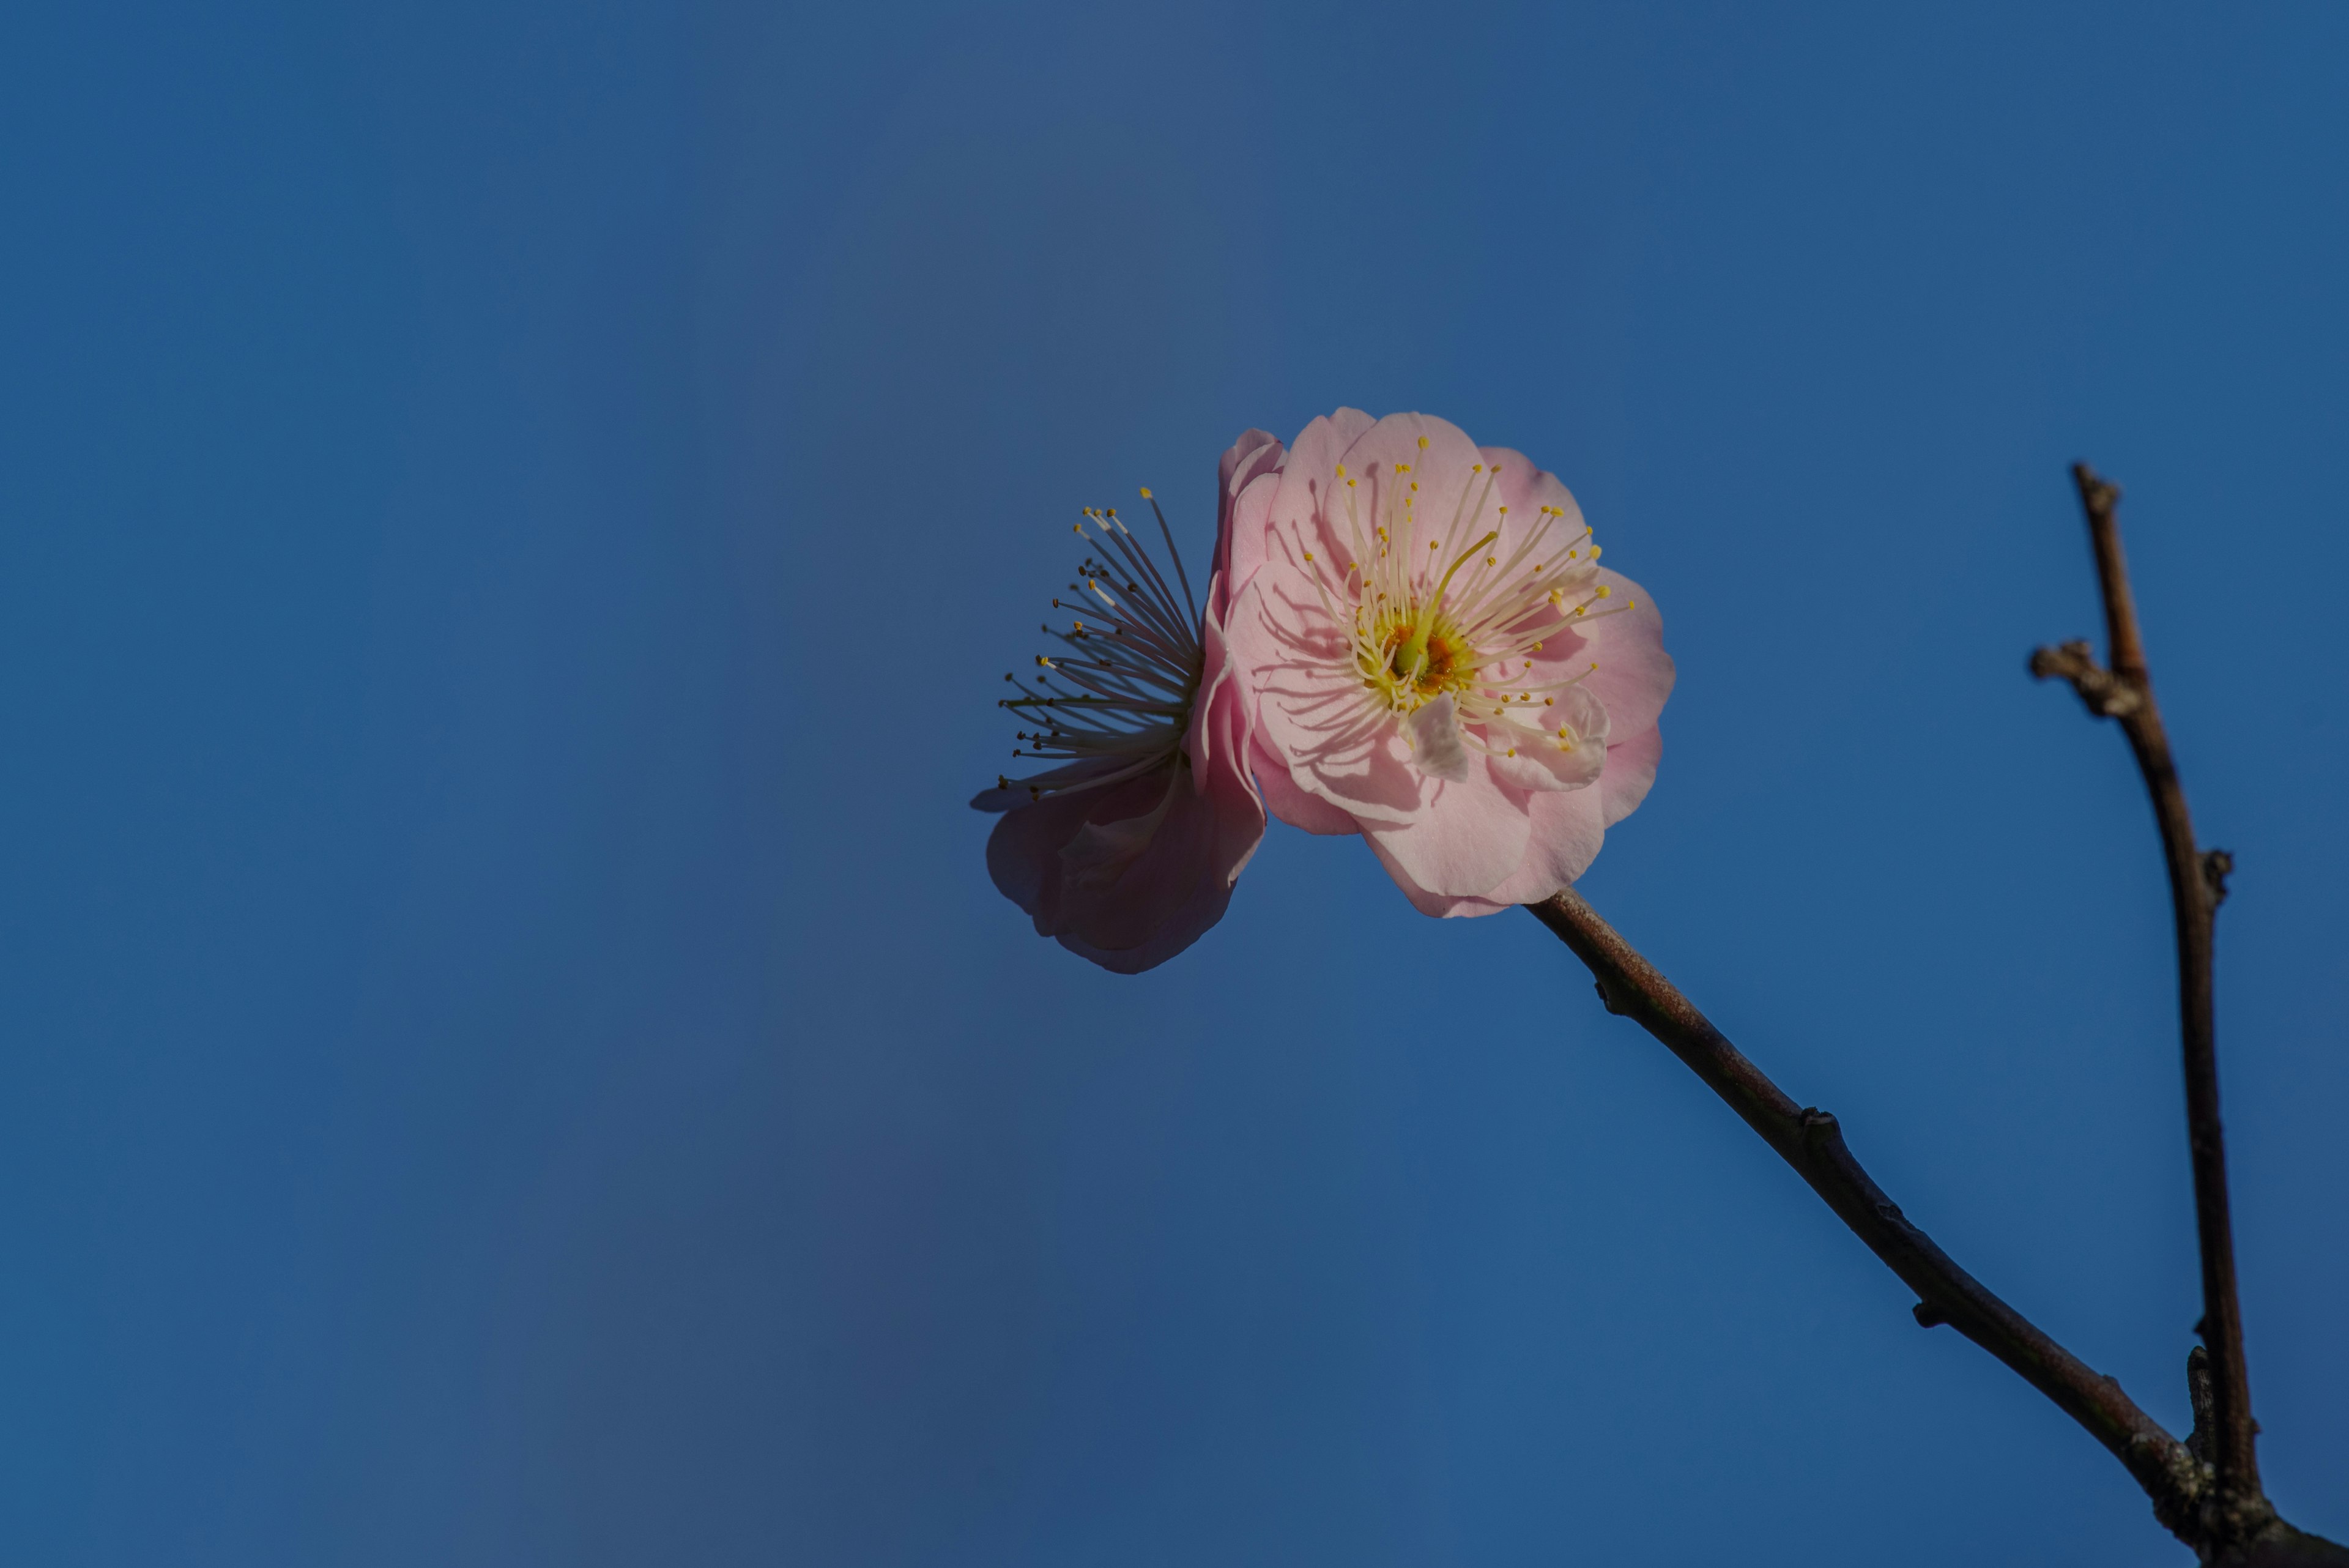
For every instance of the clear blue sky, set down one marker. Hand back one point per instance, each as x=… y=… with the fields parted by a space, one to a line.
x=512 y=521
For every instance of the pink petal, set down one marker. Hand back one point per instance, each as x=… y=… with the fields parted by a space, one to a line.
x=1567 y=830
x=1244 y=538
x=1309 y=711
x=1631 y=772
x=1305 y=481
x=1469 y=840
x=1024 y=852
x=1635 y=674
x=1256 y=454
x=1292 y=804
x=1541 y=764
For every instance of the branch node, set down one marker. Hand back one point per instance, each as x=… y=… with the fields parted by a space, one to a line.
x=2234 y=1511
x=2206 y=1404
x=1810 y=1140
x=2096 y=494
x=2108 y=695
x=2216 y=865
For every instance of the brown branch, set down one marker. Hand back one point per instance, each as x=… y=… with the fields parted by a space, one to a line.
x=2206 y=1490
x=2238 y=1507
x=2174 y=1476
x=1811 y=1142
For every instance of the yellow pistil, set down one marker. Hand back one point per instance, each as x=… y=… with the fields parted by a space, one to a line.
x=1424 y=659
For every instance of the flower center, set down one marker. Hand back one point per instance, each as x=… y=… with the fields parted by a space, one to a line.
x=1427 y=654
x=1437 y=608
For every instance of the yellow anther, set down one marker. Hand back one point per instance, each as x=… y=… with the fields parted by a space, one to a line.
x=1350 y=485
x=1503 y=510
x=1549 y=702
x=1476 y=468
x=1604 y=590
x=1145 y=493
x=1341 y=470
x=1423 y=443
x=1513 y=751
x=1308 y=555
x=1536 y=648
x=1594 y=552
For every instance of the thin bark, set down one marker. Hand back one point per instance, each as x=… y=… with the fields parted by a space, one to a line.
x=2124 y=693
x=2205 y=1491
x=2177 y=1481
x=1811 y=1142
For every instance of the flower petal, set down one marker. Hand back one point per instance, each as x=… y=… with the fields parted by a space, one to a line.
x=1567 y=830
x=1471 y=839
x=1437 y=749
x=1256 y=455
x=1630 y=773
x=1293 y=805
x=1311 y=712
x=1566 y=754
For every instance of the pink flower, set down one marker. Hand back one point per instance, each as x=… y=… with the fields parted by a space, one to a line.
x=1439 y=662
x=1128 y=850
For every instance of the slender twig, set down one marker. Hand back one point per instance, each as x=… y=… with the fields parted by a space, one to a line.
x=2205 y=1491
x=2124 y=693
x=1810 y=1140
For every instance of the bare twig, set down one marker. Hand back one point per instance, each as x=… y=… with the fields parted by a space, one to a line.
x=2237 y=1506
x=2173 y=1477
x=2207 y=1490
x=1811 y=1142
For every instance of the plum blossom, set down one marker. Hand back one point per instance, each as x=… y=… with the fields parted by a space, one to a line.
x=1127 y=849
x=1438 y=661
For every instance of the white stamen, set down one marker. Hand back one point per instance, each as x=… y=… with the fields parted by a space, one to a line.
x=1120 y=697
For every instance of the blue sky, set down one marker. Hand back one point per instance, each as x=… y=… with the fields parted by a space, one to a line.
x=512 y=521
